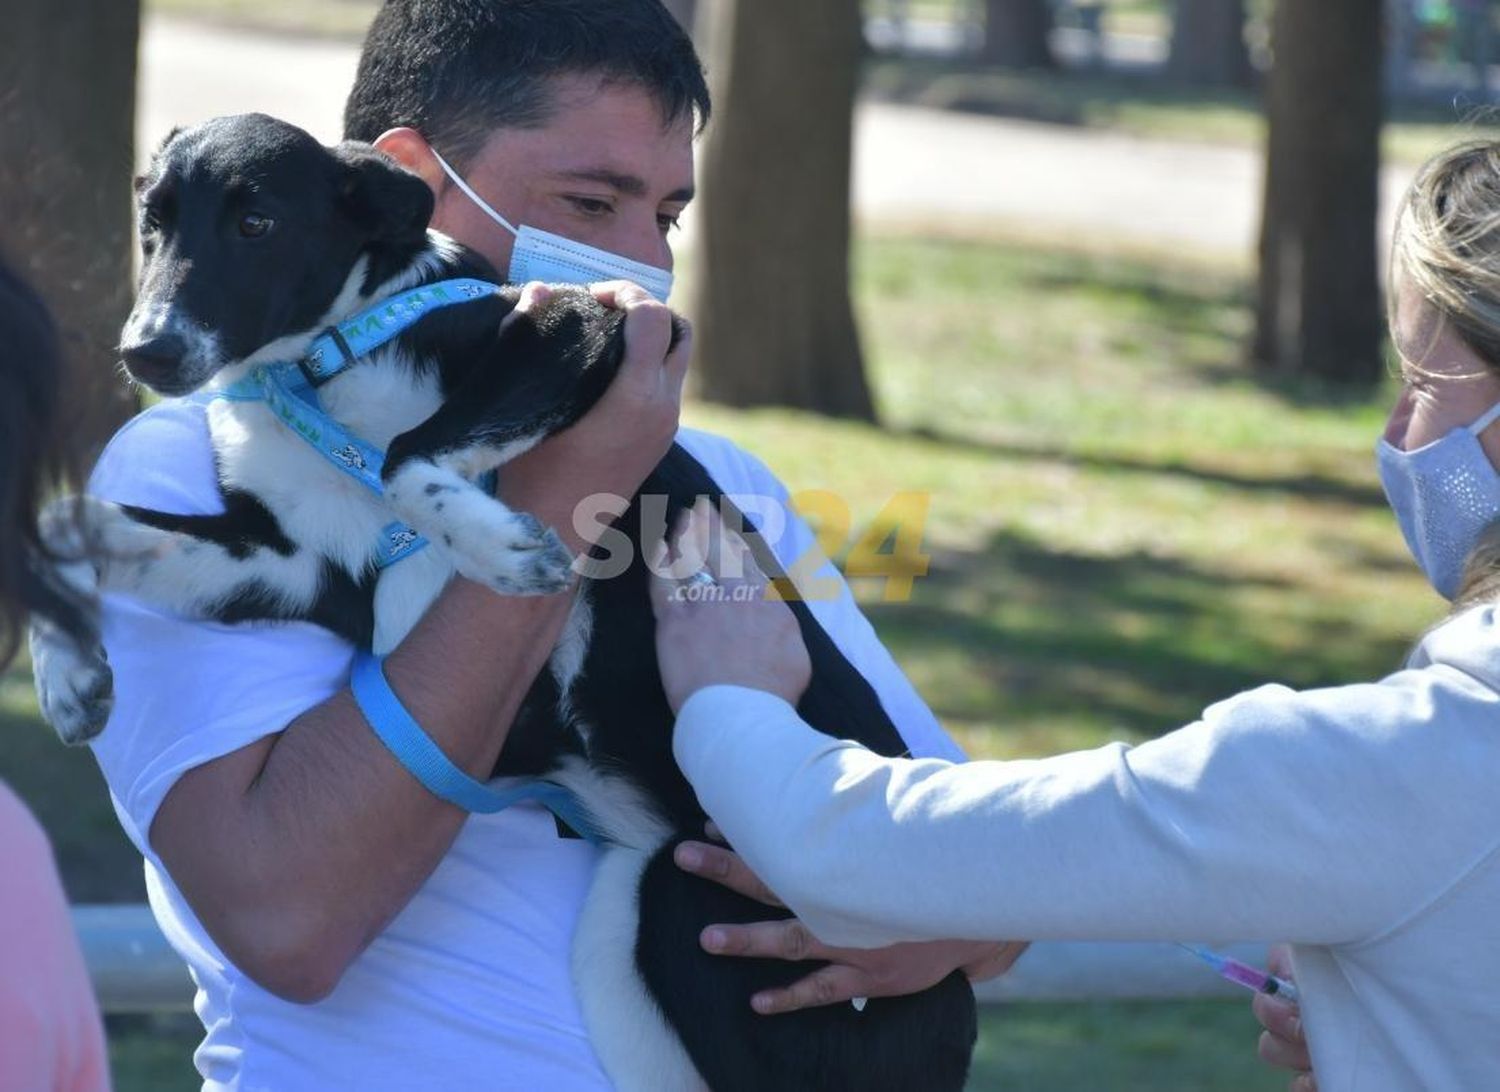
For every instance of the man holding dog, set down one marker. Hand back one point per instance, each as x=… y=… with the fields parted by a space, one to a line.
x=345 y=927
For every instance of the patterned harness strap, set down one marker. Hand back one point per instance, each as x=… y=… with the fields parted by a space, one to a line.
x=290 y=391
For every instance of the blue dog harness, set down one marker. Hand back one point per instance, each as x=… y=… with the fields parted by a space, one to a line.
x=340 y=346
x=290 y=390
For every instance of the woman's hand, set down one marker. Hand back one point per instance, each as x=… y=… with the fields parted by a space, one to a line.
x=1283 y=1044
x=734 y=630
x=851 y=972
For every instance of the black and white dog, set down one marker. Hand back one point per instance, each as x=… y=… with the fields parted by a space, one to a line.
x=256 y=239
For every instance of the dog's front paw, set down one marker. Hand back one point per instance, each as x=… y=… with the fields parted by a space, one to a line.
x=65 y=526
x=510 y=552
x=96 y=543
x=74 y=685
x=525 y=557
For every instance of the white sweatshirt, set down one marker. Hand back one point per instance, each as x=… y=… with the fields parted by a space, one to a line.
x=1361 y=823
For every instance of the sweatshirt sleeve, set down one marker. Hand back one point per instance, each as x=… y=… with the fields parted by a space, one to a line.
x=1278 y=816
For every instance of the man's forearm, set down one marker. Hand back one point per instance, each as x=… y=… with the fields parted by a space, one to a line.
x=329 y=836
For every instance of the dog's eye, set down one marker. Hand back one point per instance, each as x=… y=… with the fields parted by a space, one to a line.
x=150 y=221
x=254 y=225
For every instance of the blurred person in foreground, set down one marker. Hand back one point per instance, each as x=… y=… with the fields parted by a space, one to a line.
x=1361 y=822
x=51 y=1035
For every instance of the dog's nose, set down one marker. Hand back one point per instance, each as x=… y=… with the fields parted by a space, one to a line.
x=156 y=359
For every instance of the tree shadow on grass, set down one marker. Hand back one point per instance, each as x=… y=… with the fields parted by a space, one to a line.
x=1183 y=302
x=1071 y=98
x=1076 y=97
x=1216 y=309
x=1318 y=487
x=1300 y=391
x=1131 y=644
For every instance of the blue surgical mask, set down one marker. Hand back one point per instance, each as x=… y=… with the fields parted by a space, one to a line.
x=555 y=259
x=1444 y=495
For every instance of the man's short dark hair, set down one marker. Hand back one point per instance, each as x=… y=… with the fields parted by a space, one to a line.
x=457 y=70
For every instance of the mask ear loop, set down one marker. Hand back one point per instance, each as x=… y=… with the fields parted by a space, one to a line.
x=469 y=192
x=1484 y=422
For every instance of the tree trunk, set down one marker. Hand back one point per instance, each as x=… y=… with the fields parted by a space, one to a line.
x=686 y=12
x=771 y=297
x=1320 y=303
x=67 y=119
x=1208 y=44
x=1015 y=34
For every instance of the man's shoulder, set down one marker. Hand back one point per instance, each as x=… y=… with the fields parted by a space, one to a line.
x=731 y=466
x=162 y=458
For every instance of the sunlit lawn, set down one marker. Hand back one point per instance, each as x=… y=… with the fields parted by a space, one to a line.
x=1145 y=105
x=1125 y=526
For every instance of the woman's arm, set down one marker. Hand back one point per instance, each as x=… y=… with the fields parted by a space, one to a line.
x=1278 y=816
x=1247 y=825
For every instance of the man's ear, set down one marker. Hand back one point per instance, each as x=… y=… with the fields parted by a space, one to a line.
x=410 y=149
x=388 y=201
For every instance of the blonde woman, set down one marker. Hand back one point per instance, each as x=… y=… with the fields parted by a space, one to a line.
x=1361 y=823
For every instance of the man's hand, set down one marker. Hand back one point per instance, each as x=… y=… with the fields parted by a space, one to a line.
x=851 y=972
x=620 y=440
x=1283 y=1044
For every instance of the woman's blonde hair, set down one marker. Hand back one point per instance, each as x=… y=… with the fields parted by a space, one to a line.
x=1447 y=246
x=1447 y=242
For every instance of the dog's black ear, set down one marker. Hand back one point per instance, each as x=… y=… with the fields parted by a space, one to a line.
x=143 y=181
x=390 y=202
x=167 y=140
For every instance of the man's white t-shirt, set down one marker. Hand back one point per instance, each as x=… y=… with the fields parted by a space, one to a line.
x=469 y=986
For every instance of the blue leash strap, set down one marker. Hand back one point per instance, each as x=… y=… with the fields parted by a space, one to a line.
x=425 y=760
x=340 y=346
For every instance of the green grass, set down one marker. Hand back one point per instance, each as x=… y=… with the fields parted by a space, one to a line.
x=1125 y=525
x=154 y=1053
x=1206 y=1046
x=1144 y=106
x=1203 y=1046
